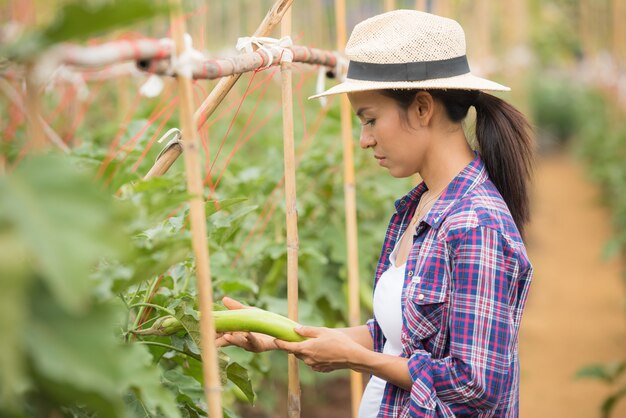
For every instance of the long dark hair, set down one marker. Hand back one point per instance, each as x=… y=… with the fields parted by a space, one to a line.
x=504 y=137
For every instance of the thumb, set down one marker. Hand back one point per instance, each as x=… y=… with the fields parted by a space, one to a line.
x=310 y=332
x=232 y=303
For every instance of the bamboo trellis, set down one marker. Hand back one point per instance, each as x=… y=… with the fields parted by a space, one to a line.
x=155 y=56
x=349 y=189
x=210 y=367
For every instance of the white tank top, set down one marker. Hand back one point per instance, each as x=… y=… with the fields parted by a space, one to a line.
x=388 y=313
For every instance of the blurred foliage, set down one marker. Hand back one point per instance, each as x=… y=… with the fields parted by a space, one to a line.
x=78 y=20
x=117 y=256
x=611 y=374
x=554 y=36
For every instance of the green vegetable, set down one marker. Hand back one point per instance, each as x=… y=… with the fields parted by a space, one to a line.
x=247 y=320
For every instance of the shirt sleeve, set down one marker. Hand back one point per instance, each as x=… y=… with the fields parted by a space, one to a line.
x=377 y=334
x=481 y=330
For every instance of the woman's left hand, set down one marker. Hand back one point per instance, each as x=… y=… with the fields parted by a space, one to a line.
x=326 y=349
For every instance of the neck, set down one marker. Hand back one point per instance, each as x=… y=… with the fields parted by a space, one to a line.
x=445 y=159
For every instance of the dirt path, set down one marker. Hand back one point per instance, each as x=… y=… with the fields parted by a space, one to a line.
x=575 y=313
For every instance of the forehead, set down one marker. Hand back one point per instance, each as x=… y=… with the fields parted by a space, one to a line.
x=369 y=99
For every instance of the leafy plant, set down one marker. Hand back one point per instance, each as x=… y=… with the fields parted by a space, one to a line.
x=609 y=374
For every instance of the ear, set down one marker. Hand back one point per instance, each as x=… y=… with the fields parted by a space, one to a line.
x=423 y=108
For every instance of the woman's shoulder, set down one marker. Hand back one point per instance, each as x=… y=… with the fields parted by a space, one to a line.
x=482 y=207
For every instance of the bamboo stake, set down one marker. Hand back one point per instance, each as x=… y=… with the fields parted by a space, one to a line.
x=222 y=88
x=585 y=30
x=349 y=190
x=420 y=5
x=210 y=371
x=390 y=5
x=293 y=391
x=618 y=11
x=482 y=42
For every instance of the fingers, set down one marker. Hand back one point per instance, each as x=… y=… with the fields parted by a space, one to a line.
x=293 y=348
x=310 y=332
x=232 y=303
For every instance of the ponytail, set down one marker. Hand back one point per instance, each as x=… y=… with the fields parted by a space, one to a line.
x=506 y=147
x=504 y=139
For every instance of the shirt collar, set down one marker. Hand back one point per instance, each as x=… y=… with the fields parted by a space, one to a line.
x=472 y=175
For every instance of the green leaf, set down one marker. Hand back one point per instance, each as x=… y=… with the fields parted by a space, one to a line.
x=605 y=372
x=610 y=402
x=239 y=376
x=79 y=360
x=82 y=19
x=65 y=220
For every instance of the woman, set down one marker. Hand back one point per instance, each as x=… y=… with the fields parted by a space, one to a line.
x=453 y=274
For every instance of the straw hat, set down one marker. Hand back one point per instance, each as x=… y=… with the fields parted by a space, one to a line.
x=408 y=49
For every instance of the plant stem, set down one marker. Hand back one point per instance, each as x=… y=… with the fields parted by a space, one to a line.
x=157 y=344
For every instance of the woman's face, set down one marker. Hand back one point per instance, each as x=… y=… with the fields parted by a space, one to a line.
x=395 y=140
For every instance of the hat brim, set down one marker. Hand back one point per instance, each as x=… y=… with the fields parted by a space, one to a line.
x=460 y=82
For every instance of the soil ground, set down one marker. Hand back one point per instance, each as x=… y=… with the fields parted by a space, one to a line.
x=575 y=311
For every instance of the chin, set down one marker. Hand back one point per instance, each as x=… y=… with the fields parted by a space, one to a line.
x=400 y=174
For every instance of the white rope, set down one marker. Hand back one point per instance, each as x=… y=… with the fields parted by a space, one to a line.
x=183 y=64
x=152 y=87
x=175 y=140
x=272 y=47
x=320 y=86
x=341 y=69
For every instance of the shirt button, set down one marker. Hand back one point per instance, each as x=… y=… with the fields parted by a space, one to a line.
x=403 y=202
x=420 y=296
x=411 y=273
x=388 y=250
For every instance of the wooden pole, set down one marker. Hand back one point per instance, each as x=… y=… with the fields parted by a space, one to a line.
x=293 y=391
x=349 y=189
x=442 y=7
x=618 y=12
x=219 y=92
x=585 y=29
x=222 y=88
x=420 y=5
x=190 y=144
x=482 y=42
x=390 y=5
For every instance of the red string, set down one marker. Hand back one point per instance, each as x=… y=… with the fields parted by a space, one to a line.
x=132 y=143
x=206 y=179
x=68 y=97
x=243 y=131
x=80 y=115
x=118 y=136
x=166 y=118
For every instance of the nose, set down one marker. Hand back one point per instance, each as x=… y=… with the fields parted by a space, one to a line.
x=366 y=140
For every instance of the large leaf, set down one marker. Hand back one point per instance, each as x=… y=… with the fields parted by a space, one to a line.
x=82 y=19
x=78 y=360
x=65 y=220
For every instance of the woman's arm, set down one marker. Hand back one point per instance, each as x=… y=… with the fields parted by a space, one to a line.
x=347 y=348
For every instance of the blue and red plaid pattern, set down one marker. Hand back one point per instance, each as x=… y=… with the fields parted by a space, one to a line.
x=467 y=279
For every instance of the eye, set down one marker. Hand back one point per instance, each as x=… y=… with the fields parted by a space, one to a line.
x=370 y=122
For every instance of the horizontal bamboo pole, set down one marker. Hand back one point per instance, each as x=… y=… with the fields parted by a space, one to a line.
x=218 y=68
x=154 y=56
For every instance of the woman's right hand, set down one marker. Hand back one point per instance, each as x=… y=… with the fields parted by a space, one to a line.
x=250 y=341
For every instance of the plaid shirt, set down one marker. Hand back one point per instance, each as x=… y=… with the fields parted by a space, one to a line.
x=466 y=281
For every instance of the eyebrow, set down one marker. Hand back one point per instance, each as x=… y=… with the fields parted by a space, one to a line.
x=359 y=112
